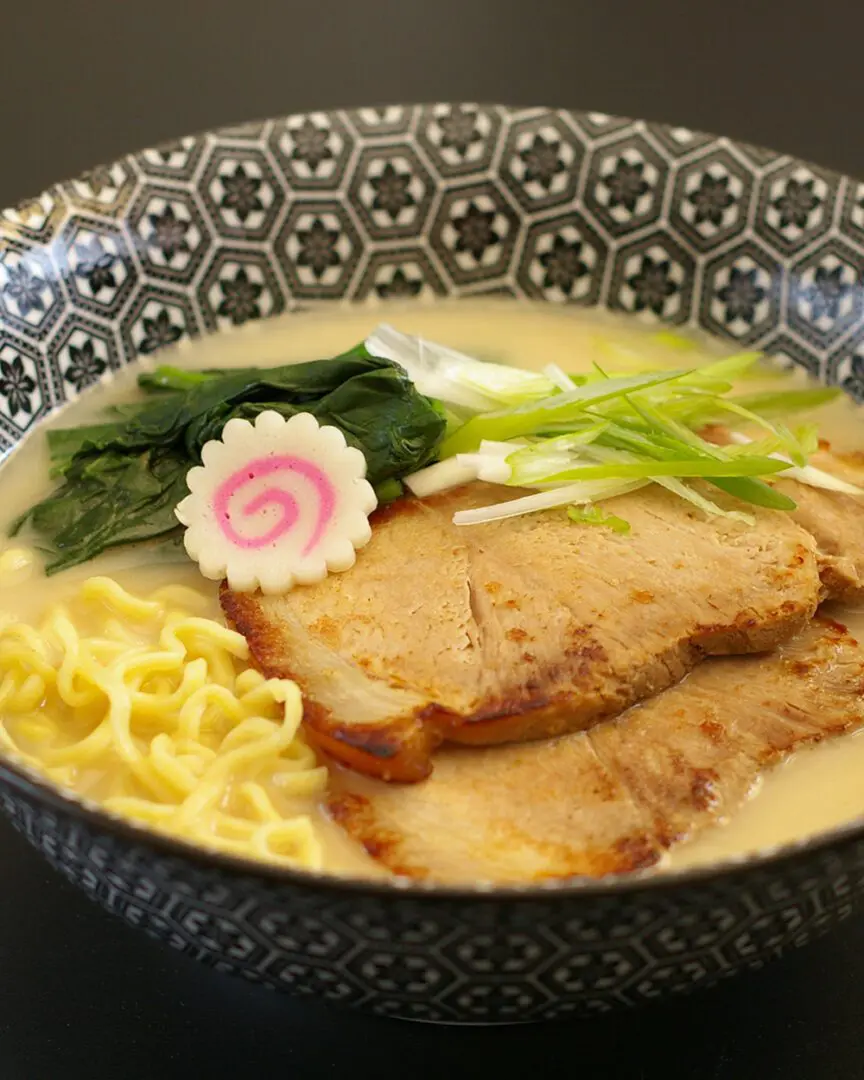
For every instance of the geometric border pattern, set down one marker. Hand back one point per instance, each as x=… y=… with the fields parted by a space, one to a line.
x=446 y=199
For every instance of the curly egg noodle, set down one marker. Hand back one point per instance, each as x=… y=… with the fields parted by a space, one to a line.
x=155 y=713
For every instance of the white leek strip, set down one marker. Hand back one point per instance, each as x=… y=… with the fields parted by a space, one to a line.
x=502 y=449
x=576 y=494
x=439 y=477
x=490 y=469
x=807 y=474
x=453 y=377
x=426 y=365
x=813 y=477
x=489 y=464
x=490 y=460
x=559 y=377
x=684 y=491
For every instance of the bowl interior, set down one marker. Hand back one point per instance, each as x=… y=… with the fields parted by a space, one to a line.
x=415 y=202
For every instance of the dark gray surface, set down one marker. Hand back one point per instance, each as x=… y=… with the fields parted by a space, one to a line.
x=84 y=82
x=82 y=995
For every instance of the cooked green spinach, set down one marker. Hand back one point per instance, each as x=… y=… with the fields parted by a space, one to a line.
x=121 y=479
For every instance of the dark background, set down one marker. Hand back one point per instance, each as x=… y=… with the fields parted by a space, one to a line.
x=83 y=996
x=82 y=81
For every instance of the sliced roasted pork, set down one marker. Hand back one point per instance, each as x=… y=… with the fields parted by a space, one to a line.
x=524 y=628
x=834 y=519
x=836 y=522
x=612 y=799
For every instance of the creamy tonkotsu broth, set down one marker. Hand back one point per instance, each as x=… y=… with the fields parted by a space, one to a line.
x=815 y=790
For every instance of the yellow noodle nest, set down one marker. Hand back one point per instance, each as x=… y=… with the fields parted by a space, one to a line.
x=149 y=708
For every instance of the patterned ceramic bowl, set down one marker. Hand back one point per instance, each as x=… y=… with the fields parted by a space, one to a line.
x=442 y=200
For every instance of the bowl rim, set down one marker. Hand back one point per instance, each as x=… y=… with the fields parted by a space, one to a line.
x=39 y=789
x=653 y=879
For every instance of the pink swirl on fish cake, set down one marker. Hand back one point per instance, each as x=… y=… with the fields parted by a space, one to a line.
x=263 y=467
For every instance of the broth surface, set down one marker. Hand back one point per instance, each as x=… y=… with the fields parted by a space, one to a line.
x=816 y=789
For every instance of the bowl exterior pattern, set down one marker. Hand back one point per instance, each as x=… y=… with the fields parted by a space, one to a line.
x=395 y=203
x=450 y=959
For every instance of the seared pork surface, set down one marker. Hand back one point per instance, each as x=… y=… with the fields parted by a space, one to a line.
x=521 y=629
x=834 y=519
x=612 y=799
x=836 y=522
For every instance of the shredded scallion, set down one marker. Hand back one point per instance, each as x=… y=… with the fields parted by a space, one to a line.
x=593 y=515
x=575 y=439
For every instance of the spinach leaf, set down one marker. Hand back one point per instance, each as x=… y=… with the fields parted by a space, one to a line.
x=108 y=499
x=122 y=479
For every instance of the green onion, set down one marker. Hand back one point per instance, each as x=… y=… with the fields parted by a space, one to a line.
x=389 y=491
x=593 y=515
x=563 y=435
x=753 y=490
x=782 y=402
x=503 y=424
x=691 y=495
x=744 y=466
x=730 y=367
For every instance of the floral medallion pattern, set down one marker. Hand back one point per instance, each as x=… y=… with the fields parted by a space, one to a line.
x=105 y=189
x=170 y=234
x=624 y=188
x=475 y=234
x=459 y=138
x=239 y=286
x=740 y=294
x=98 y=265
x=242 y=194
x=712 y=197
x=312 y=150
x=406 y=274
x=564 y=261
x=827 y=293
x=796 y=205
x=159 y=318
x=318 y=249
x=24 y=393
x=542 y=162
x=18 y=384
x=84 y=351
x=29 y=296
x=653 y=277
x=392 y=192
x=394 y=203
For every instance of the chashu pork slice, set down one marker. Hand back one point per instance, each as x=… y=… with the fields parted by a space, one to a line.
x=524 y=628
x=615 y=798
x=836 y=522
x=834 y=519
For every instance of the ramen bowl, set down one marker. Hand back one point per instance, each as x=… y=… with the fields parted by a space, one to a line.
x=421 y=202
